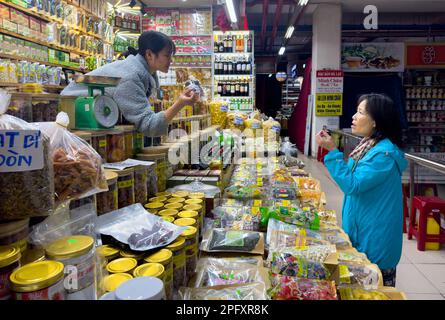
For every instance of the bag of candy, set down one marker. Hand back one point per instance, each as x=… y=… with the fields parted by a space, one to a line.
x=364 y=275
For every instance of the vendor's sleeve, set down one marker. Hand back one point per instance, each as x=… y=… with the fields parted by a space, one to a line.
x=134 y=105
x=371 y=172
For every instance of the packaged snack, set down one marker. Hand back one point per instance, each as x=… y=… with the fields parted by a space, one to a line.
x=78 y=168
x=221 y=240
x=364 y=275
x=310 y=197
x=301 y=262
x=292 y=288
x=27 y=190
x=218 y=112
x=244 y=192
x=308 y=183
x=142 y=231
x=357 y=293
x=251 y=291
x=306 y=218
x=237 y=218
x=351 y=255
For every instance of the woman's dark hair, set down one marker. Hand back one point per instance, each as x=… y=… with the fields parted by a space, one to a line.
x=387 y=119
x=151 y=40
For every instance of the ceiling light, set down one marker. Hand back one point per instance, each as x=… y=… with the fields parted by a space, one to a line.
x=281 y=52
x=270 y=75
x=289 y=32
x=231 y=10
x=304 y=65
x=303 y=2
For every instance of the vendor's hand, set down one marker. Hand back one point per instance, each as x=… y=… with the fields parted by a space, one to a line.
x=188 y=97
x=325 y=141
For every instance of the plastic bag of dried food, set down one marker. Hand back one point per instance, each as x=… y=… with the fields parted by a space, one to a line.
x=351 y=255
x=305 y=217
x=251 y=291
x=26 y=169
x=282 y=239
x=142 y=231
x=232 y=262
x=221 y=240
x=209 y=275
x=78 y=169
x=292 y=288
x=358 y=293
x=238 y=218
x=364 y=275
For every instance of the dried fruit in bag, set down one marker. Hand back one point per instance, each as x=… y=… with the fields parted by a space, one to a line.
x=292 y=288
x=233 y=240
x=251 y=291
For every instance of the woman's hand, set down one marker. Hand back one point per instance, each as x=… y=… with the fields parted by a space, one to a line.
x=188 y=98
x=325 y=141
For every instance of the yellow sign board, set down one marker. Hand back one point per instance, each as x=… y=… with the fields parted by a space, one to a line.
x=329 y=104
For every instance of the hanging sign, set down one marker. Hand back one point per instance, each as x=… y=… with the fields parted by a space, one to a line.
x=329 y=93
x=425 y=55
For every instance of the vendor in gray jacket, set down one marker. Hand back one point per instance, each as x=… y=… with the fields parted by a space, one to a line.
x=139 y=81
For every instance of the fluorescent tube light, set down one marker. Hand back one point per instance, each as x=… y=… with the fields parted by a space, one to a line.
x=303 y=2
x=231 y=10
x=281 y=52
x=289 y=32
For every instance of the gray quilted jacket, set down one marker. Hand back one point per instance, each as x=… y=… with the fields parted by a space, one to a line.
x=130 y=94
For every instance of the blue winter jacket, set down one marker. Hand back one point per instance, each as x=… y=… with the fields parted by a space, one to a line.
x=372 y=207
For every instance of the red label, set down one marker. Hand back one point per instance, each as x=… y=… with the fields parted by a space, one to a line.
x=425 y=55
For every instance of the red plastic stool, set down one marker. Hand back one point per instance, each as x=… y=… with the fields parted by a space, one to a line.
x=321 y=152
x=405 y=208
x=425 y=205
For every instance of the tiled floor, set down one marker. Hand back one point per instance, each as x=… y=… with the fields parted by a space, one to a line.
x=420 y=275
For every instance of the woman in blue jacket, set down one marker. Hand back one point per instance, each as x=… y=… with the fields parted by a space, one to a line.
x=371 y=181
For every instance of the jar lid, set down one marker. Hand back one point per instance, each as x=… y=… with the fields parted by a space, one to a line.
x=190 y=232
x=180 y=194
x=194 y=201
x=196 y=195
x=113 y=281
x=107 y=251
x=153 y=205
x=163 y=194
x=162 y=256
x=176 y=200
x=110 y=176
x=151 y=269
x=32 y=255
x=158 y=199
x=36 y=276
x=177 y=245
x=188 y=214
x=131 y=254
x=141 y=288
x=168 y=212
x=176 y=206
x=9 y=255
x=14 y=227
x=168 y=218
x=69 y=247
x=193 y=207
x=185 y=222
x=122 y=265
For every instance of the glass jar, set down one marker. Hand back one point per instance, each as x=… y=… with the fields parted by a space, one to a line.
x=75 y=251
x=99 y=143
x=138 y=142
x=115 y=146
x=158 y=199
x=128 y=140
x=168 y=218
x=152 y=181
x=154 y=207
x=113 y=281
x=176 y=206
x=190 y=214
x=137 y=255
x=180 y=194
x=125 y=187
x=164 y=194
x=186 y=222
x=140 y=184
x=176 y=200
x=9 y=261
x=107 y=201
x=178 y=250
x=42 y=280
x=90 y=200
x=164 y=257
x=191 y=251
x=161 y=169
x=150 y=269
x=198 y=208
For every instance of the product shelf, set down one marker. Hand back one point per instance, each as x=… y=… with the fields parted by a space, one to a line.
x=19 y=58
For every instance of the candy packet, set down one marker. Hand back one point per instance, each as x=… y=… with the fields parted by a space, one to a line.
x=221 y=240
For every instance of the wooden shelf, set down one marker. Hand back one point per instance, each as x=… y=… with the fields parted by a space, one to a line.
x=21 y=85
x=43 y=43
x=44 y=17
x=15 y=57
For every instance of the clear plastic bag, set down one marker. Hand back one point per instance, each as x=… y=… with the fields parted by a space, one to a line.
x=251 y=291
x=142 y=231
x=306 y=218
x=292 y=288
x=208 y=274
x=197 y=186
x=25 y=191
x=364 y=275
x=358 y=293
x=351 y=255
x=237 y=218
x=78 y=168
x=221 y=240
